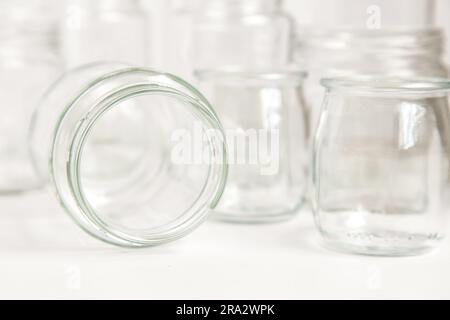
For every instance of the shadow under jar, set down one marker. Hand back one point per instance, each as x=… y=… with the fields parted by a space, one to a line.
x=381 y=165
x=115 y=142
x=262 y=113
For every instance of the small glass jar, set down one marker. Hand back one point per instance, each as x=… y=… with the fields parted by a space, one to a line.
x=382 y=165
x=255 y=34
x=262 y=113
x=28 y=60
x=104 y=30
x=137 y=157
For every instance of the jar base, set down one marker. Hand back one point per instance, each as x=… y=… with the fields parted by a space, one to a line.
x=240 y=218
x=382 y=243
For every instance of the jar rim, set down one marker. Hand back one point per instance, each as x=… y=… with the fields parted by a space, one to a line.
x=388 y=84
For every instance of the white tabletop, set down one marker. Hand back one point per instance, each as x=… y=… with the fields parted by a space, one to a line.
x=43 y=254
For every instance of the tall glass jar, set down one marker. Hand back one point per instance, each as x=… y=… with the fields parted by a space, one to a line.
x=255 y=34
x=104 y=30
x=264 y=121
x=29 y=59
x=147 y=180
x=382 y=165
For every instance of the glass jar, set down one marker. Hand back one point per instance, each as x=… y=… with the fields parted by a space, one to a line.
x=362 y=14
x=381 y=165
x=176 y=37
x=104 y=30
x=378 y=53
x=28 y=59
x=151 y=177
x=262 y=113
x=255 y=34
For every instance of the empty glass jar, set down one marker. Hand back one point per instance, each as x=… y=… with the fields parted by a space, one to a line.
x=137 y=157
x=362 y=14
x=381 y=165
x=262 y=113
x=28 y=60
x=104 y=30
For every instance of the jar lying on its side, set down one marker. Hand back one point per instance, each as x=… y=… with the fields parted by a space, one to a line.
x=382 y=165
x=137 y=157
x=263 y=114
x=252 y=33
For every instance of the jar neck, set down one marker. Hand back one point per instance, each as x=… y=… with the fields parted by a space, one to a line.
x=235 y=7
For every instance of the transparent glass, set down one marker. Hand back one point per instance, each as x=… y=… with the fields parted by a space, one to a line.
x=362 y=14
x=28 y=60
x=262 y=113
x=378 y=53
x=381 y=165
x=104 y=30
x=253 y=33
x=109 y=139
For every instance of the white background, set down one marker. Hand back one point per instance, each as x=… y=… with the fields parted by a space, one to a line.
x=43 y=254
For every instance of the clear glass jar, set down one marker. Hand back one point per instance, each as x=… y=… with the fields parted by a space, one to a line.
x=378 y=53
x=381 y=165
x=255 y=34
x=104 y=30
x=151 y=177
x=262 y=113
x=28 y=59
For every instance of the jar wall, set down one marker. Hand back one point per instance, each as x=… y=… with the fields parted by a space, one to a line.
x=381 y=170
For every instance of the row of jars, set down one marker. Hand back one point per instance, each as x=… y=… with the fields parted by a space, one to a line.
x=135 y=184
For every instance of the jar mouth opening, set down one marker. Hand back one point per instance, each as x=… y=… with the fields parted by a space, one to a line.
x=388 y=84
x=234 y=73
x=203 y=197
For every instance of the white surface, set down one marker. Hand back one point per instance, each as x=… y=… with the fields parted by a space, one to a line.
x=44 y=255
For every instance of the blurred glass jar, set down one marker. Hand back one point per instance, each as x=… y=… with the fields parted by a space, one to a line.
x=382 y=165
x=256 y=34
x=409 y=53
x=28 y=60
x=362 y=14
x=262 y=113
x=104 y=30
x=145 y=180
